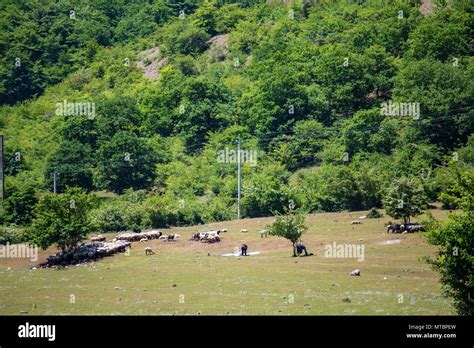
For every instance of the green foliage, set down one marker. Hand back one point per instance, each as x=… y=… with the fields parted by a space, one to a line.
x=455 y=239
x=51 y=41
x=404 y=198
x=14 y=163
x=138 y=210
x=227 y=17
x=19 y=204
x=135 y=218
x=302 y=150
x=290 y=225
x=455 y=259
x=116 y=114
x=126 y=161
x=336 y=188
x=191 y=40
x=205 y=16
x=374 y=214
x=265 y=191
x=368 y=131
x=61 y=219
x=443 y=36
x=109 y=218
x=141 y=20
x=73 y=161
x=460 y=193
x=305 y=92
x=187 y=65
x=12 y=235
x=444 y=93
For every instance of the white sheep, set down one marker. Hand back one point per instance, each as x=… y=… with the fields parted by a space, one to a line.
x=355 y=272
x=212 y=233
x=263 y=233
x=143 y=240
x=243 y=230
x=99 y=238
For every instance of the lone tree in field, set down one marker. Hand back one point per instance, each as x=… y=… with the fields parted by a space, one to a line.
x=290 y=226
x=404 y=199
x=61 y=219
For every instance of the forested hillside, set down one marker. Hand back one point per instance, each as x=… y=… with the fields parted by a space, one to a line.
x=142 y=103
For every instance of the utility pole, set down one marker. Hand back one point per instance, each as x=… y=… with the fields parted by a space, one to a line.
x=238 y=179
x=54 y=181
x=2 y=174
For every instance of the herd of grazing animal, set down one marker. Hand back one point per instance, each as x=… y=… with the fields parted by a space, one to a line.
x=397 y=228
x=87 y=252
x=215 y=235
x=407 y=228
x=99 y=238
x=142 y=237
x=207 y=237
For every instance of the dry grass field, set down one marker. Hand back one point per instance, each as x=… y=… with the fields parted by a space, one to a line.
x=192 y=278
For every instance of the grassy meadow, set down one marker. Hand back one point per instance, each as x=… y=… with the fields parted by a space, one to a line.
x=191 y=278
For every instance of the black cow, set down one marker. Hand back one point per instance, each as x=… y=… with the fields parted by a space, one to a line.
x=394 y=228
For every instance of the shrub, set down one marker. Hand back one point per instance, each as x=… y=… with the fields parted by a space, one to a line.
x=161 y=210
x=61 y=219
x=19 y=205
x=12 y=235
x=122 y=215
x=136 y=218
x=374 y=214
x=109 y=219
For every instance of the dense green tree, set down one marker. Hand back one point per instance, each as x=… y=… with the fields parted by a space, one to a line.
x=368 y=131
x=189 y=39
x=404 y=199
x=126 y=161
x=454 y=262
x=459 y=191
x=265 y=191
x=19 y=204
x=116 y=114
x=444 y=36
x=79 y=128
x=14 y=162
x=455 y=240
x=290 y=225
x=302 y=148
x=443 y=92
x=61 y=220
x=73 y=162
x=141 y=20
x=205 y=16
